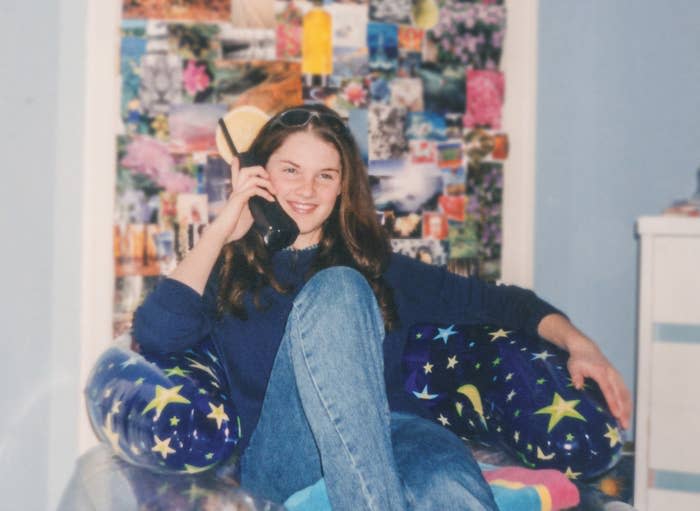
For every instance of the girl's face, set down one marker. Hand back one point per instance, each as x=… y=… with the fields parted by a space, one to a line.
x=305 y=173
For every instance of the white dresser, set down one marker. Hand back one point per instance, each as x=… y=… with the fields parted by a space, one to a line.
x=667 y=438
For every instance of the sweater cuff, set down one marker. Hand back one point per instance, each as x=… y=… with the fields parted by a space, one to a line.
x=178 y=297
x=540 y=311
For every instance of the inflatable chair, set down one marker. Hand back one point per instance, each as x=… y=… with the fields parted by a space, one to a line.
x=167 y=424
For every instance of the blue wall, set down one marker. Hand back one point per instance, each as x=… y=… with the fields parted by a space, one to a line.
x=618 y=136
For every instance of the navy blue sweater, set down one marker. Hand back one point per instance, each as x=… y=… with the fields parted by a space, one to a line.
x=175 y=317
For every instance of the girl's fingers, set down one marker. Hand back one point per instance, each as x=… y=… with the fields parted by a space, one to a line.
x=609 y=394
x=612 y=386
x=235 y=168
x=628 y=401
x=255 y=183
x=254 y=171
x=577 y=379
x=618 y=397
x=622 y=398
x=261 y=192
x=625 y=402
x=248 y=174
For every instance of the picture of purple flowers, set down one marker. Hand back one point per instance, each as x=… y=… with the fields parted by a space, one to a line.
x=469 y=34
x=484 y=208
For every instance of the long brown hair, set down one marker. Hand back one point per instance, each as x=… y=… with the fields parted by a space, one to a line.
x=351 y=236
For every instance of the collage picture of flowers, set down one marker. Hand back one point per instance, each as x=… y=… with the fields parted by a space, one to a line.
x=417 y=81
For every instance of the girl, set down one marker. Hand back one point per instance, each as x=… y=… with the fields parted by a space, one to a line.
x=312 y=336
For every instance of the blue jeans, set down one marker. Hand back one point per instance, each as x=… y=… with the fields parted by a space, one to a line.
x=326 y=415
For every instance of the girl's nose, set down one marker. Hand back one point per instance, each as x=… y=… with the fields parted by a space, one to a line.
x=306 y=188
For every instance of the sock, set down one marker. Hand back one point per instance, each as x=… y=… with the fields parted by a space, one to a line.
x=311 y=498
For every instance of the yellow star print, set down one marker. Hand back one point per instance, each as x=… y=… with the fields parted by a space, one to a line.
x=162 y=446
x=115 y=407
x=112 y=436
x=176 y=371
x=428 y=368
x=218 y=414
x=571 y=474
x=542 y=456
x=192 y=469
x=452 y=362
x=163 y=398
x=560 y=409
x=613 y=435
x=196 y=365
x=498 y=334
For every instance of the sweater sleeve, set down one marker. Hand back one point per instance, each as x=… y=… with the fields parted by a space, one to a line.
x=445 y=297
x=175 y=317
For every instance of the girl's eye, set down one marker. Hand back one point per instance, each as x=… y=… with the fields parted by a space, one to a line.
x=289 y=170
x=327 y=176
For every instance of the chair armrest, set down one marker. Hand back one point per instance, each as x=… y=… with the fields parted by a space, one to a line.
x=169 y=413
x=513 y=390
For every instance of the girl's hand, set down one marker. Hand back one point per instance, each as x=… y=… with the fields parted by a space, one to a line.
x=231 y=224
x=587 y=361
x=235 y=218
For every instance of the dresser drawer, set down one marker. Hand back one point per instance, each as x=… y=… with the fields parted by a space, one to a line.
x=676 y=280
x=674 y=418
x=666 y=500
x=675 y=371
x=673 y=438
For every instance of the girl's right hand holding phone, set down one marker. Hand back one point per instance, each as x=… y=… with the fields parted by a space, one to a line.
x=232 y=223
x=235 y=219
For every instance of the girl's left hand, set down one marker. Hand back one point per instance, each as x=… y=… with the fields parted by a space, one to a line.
x=587 y=361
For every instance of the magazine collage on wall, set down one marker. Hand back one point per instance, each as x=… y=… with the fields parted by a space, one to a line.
x=417 y=81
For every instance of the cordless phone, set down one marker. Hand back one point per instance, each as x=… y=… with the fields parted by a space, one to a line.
x=276 y=227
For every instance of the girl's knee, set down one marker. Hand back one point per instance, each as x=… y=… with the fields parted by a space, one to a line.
x=337 y=314
x=336 y=279
x=338 y=289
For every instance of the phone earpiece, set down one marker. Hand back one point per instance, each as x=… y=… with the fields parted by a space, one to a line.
x=248 y=159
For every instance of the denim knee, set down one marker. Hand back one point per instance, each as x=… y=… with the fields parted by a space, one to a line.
x=332 y=284
x=336 y=295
